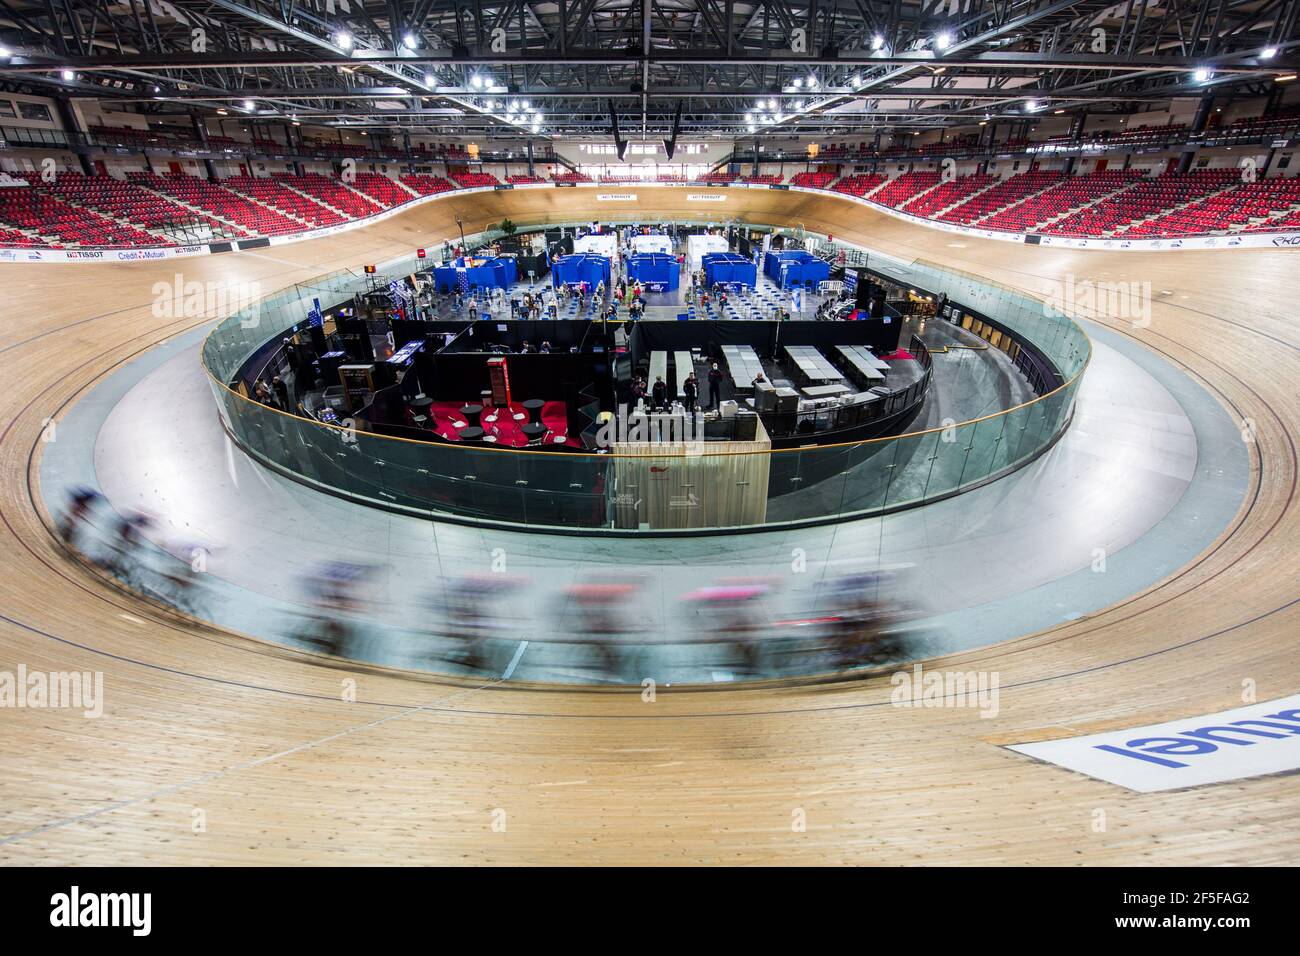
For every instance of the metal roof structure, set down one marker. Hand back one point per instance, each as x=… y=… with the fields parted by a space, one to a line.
x=521 y=69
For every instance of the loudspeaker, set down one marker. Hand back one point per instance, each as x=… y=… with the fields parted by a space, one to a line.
x=862 y=298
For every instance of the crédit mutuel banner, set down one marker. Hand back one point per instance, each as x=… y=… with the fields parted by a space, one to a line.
x=1232 y=744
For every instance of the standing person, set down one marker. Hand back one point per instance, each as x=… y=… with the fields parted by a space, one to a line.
x=715 y=385
x=691 y=389
x=281 y=392
x=263 y=393
x=659 y=394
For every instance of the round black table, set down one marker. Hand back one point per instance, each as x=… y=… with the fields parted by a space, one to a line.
x=534 y=409
x=533 y=431
x=472 y=433
x=420 y=405
x=471 y=413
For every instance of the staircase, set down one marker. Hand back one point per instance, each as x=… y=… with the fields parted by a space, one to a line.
x=1088 y=205
x=236 y=231
x=288 y=184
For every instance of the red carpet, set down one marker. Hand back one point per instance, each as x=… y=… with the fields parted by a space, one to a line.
x=900 y=356
x=505 y=428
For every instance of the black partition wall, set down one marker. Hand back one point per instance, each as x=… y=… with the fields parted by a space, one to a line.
x=765 y=336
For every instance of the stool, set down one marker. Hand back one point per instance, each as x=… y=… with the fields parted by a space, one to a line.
x=420 y=405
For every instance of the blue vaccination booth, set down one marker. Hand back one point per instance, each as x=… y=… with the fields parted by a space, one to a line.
x=655 y=270
x=795 y=268
x=728 y=268
x=497 y=272
x=580 y=267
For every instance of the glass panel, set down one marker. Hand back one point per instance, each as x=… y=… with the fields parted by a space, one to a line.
x=554 y=489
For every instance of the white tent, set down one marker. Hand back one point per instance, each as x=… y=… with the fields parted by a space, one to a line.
x=699 y=246
x=602 y=244
x=652 y=244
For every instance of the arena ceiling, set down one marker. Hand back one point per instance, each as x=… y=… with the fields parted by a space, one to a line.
x=524 y=69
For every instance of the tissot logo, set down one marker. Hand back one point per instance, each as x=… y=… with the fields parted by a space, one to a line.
x=77 y=909
x=85 y=255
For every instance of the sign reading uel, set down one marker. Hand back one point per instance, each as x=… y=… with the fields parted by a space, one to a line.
x=1229 y=745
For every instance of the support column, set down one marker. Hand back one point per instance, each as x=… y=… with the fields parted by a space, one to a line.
x=201 y=131
x=1198 y=126
x=76 y=135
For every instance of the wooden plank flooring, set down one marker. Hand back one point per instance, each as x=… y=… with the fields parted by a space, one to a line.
x=259 y=744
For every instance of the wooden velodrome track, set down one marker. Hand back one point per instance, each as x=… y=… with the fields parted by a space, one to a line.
x=284 y=771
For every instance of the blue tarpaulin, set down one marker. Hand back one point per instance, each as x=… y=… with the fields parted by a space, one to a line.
x=795 y=267
x=581 y=267
x=655 y=269
x=481 y=273
x=729 y=268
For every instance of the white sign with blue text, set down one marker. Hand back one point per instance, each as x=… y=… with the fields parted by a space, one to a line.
x=1232 y=744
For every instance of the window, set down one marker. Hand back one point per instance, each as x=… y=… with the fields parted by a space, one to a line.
x=34 y=111
x=6 y=108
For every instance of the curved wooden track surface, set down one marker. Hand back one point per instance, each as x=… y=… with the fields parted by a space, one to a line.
x=285 y=771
